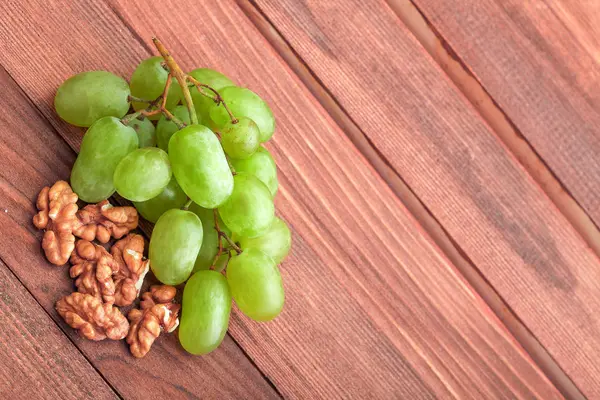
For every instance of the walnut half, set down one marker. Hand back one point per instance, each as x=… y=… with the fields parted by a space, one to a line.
x=129 y=254
x=57 y=207
x=94 y=267
x=101 y=221
x=93 y=319
x=157 y=313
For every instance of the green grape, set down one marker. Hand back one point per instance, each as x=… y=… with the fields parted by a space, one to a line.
x=104 y=145
x=240 y=140
x=145 y=131
x=86 y=97
x=200 y=166
x=256 y=285
x=262 y=165
x=148 y=82
x=215 y=80
x=210 y=240
x=165 y=129
x=244 y=103
x=143 y=174
x=249 y=211
x=171 y=197
x=174 y=246
x=276 y=242
x=205 y=310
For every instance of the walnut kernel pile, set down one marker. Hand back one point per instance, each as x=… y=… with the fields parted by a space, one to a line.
x=104 y=280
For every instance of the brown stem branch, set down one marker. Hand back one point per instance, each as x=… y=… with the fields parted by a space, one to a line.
x=218 y=99
x=163 y=105
x=181 y=78
x=231 y=242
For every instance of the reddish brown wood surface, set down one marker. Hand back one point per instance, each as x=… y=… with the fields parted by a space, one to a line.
x=433 y=138
x=539 y=61
x=38 y=360
x=373 y=309
x=34 y=155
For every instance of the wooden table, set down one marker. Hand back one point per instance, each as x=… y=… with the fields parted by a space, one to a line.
x=439 y=165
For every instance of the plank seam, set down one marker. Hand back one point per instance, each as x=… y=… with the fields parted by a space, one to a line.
x=8 y=267
x=591 y=239
x=476 y=279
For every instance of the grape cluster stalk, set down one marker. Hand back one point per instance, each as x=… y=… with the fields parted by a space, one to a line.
x=197 y=170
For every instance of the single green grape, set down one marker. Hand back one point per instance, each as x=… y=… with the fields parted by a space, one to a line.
x=200 y=166
x=276 y=242
x=249 y=211
x=86 y=97
x=143 y=174
x=205 y=310
x=172 y=196
x=165 y=129
x=240 y=140
x=256 y=285
x=215 y=80
x=210 y=240
x=174 y=246
x=148 y=82
x=145 y=131
x=262 y=165
x=244 y=103
x=104 y=145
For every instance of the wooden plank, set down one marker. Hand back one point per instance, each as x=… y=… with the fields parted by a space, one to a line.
x=33 y=155
x=36 y=358
x=504 y=128
x=425 y=129
x=344 y=316
x=539 y=61
x=414 y=205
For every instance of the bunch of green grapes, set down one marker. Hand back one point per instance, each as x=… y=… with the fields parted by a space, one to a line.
x=191 y=159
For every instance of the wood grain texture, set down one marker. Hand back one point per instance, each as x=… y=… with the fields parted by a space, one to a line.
x=502 y=126
x=439 y=145
x=540 y=62
x=432 y=226
x=32 y=156
x=36 y=359
x=351 y=308
x=373 y=309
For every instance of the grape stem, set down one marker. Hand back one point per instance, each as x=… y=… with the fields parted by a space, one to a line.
x=187 y=204
x=176 y=71
x=131 y=98
x=156 y=106
x=222 y=235
x=217 y=98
